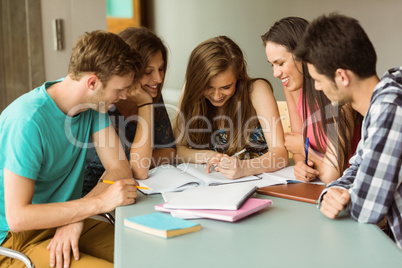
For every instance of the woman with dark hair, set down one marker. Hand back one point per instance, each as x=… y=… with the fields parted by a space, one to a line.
x=141 y=120
x=333 y=131
x=227 y=119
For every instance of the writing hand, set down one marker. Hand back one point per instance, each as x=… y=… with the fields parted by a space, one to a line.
x=64 y=241
x=213 y=161
x=333 y=202
x=122 y=192
x=230 y=167
x=305 y=172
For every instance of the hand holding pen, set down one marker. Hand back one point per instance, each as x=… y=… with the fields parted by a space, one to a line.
x=229 y=166
x=112 y=182
x=120 y=193
x=306 y=150
x=303 y=169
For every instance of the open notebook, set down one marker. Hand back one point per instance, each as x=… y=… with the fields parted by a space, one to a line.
x=168 y=178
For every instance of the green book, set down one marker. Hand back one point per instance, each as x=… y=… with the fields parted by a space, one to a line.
x=161 y=224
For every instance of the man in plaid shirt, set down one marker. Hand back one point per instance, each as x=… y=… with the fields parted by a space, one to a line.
x=342 y=61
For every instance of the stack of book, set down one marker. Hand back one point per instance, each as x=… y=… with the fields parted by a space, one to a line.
x=226 y=203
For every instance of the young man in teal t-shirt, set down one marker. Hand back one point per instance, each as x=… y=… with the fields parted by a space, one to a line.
x=44 y=136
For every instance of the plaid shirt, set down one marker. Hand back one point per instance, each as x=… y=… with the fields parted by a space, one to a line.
x=374 y=177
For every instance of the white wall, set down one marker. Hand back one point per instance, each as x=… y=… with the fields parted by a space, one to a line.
x=183 y=24
x=78 y=16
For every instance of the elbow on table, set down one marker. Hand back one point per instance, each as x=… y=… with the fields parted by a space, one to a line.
x=141 y=174
x=282 y=159
x=370 y=219
x=140 y=169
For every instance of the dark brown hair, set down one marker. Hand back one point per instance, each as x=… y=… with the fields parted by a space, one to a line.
x=147 y=44
x=327 y=121
x=336 y=41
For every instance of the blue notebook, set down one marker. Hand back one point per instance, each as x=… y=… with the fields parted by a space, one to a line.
x=161 y=224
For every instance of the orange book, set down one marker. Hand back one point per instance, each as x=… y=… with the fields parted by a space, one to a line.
x=304 y=192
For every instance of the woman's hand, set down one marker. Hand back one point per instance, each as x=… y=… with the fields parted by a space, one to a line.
x=294 y=143
x=213 y=161
x=305 y=172
x=229 y=166
x=138 y=95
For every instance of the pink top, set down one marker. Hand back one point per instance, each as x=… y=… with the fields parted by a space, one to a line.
x=310 y=132
x=308 y=124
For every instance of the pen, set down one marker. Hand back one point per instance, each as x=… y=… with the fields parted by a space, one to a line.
x=306 y=149
x=111 y=182
x=239 y=152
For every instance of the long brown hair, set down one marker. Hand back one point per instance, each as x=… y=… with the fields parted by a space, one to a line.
x=327 y=121
x=147 y=44
x=207 y=60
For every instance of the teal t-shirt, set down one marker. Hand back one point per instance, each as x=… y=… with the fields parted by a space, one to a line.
x=38 y=141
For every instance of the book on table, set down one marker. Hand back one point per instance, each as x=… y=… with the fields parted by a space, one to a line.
x=161 y=224
x=228 y=197
x=169 y=178
x=251 y=206
x=303 y=192
x=291 y=188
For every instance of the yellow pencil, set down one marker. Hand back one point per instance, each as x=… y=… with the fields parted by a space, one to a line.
x=111 y=182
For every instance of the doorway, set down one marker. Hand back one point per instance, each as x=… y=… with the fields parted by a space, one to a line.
x=21 y=49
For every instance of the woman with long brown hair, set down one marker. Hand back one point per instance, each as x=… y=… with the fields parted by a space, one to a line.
x=227 y=119
x=333 y=131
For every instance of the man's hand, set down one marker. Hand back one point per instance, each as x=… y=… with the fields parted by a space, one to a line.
x=64 y=241
x=122 y=192
x=333 y=202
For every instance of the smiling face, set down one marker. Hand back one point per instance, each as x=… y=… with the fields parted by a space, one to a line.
x=154 y=75
x=115 y=90
x=221 y=88
x=284 y=66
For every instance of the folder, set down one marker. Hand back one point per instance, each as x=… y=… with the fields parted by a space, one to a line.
x=303 y=192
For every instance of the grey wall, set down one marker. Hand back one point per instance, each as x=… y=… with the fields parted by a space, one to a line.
x=78 y=17
x=183 y=24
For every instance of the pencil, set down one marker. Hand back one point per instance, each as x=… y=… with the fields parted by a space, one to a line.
x=111 y=182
